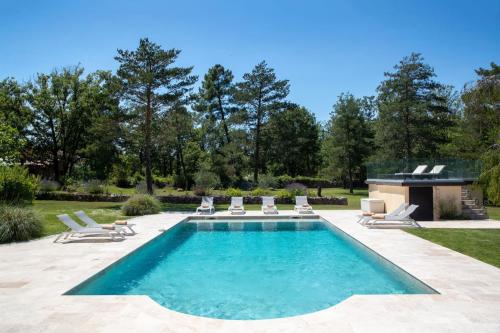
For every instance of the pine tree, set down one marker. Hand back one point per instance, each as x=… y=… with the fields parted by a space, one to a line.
x=259 y=95
x=151 y=83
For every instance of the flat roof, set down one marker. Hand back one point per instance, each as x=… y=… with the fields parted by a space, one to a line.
x=421 y=182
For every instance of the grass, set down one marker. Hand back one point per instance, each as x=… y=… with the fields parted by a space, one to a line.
x=481 y=244
x=493 y=212
x=102 y=212
x=108 y=212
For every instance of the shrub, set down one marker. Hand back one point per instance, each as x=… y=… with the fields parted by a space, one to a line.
x=448 y=211
x=46 y=185
x=296 y=189
x=17 y=185
x=94 y=186
x=257 y=192
x=234 y=192
x=18 y=224
x=283 y=194
x=70 y=185
x=267 y=181
x=162 y=182
x=141 y=204
x=179 y=181
x=206 y=180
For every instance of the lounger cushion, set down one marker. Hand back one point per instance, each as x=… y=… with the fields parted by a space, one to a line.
x=236 y=206
x=108 y=226
x=270 y=206
x=368 y=213
x=121 y=222
x=204 y=206
x=378 y=216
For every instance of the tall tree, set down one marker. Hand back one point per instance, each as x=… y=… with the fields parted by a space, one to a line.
x=348 y=137
x=215 y=98
x=150 y=84
x=260 y=94
x=293 y=142
x=413 y=111
x=107 y=118
x=61 y=118
x=14 y=120
x=477 y=135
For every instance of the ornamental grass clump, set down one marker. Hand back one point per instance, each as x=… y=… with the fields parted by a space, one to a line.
x=141 y=204
x=18 y=224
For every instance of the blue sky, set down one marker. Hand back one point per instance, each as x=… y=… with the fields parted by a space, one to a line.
x=323 y=47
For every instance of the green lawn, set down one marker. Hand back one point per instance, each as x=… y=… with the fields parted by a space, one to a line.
x=102 y=212
x=482 y=244
x=494 y=212
x=107 y=212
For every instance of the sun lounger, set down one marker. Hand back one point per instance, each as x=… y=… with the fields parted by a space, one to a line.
x=207 y=205
x=79 y=231
x=365 y=218
x=236 y=206
x=435 y=171
x=124 y=229
x=302 y=206
x=418 y=170
x=403 y=219
x=268 y=206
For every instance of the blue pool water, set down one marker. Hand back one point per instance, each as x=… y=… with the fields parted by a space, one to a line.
x=251 y=270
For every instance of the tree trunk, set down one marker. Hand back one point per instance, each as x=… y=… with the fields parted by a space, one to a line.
x=256 y=153
x=223 y=119
x=183 y=166
x=351 y=190
x=147 y=148
x=55 y=161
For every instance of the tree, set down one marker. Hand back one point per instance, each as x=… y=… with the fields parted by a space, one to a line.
x=107 y=118
x=348 y=137
x=414 y=111
x=215 y=103
x=294 y=147
x=260 y=94
x=14 y=120
x=477 y=135
x=150 y=84
x=11 y=143
x=215 y=98
x=61 y=118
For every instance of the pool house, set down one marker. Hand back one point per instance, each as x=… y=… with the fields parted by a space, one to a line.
x=441 y=188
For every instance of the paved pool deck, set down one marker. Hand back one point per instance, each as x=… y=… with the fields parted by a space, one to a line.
x=34 y=275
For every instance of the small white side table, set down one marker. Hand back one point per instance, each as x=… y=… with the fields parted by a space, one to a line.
x=372 y=205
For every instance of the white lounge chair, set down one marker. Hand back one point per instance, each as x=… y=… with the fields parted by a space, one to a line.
x=418 y=170
x=79 y=231
x=207 y=205
x=403 y=219
x=236 y=206
x=268 y=206
x=302 y=206
x=365 y=218
x=435 y=171
x=124 y=229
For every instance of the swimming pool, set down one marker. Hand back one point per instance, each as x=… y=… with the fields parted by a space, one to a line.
x=251 y=269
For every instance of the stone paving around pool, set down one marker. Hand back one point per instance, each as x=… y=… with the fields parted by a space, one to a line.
x=34 y=276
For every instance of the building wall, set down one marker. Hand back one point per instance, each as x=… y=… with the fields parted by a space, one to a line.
x=393 y=196
x=451 y=195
